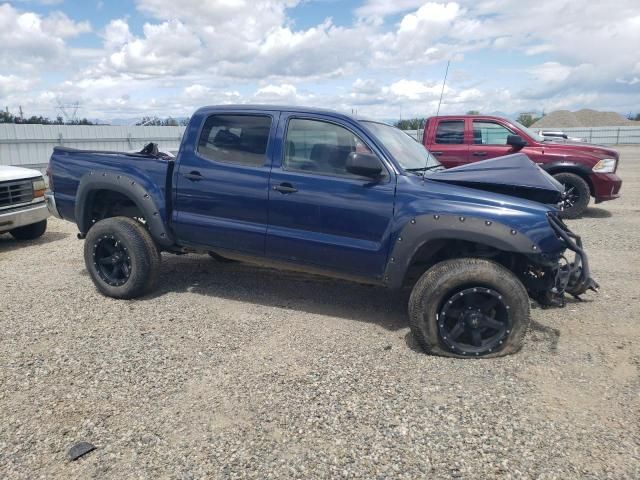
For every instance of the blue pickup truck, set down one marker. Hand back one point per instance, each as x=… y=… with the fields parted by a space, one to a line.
x=325 y=193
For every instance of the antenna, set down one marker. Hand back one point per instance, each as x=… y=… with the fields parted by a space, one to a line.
x=444 y=81
x=443 y=84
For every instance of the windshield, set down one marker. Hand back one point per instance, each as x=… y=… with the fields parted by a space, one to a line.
x=529 y=132
x=410 y=154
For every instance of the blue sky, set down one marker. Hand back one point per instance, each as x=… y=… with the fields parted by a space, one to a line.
x=383 y=58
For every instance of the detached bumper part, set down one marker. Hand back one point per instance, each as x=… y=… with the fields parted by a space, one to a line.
x=573 y=278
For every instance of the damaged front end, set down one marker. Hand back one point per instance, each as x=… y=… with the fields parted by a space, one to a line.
x=549 y=277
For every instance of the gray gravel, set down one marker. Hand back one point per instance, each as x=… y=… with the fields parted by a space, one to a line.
x=583 y=118
x=229 y=371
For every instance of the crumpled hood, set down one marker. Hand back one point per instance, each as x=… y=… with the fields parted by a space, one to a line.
x=515 y=175
x=17 y=173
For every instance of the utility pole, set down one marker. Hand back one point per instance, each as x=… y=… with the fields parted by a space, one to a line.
x=21 y=113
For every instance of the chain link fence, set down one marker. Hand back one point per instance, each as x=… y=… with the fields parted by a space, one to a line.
x=602 y=135
x=597 y=135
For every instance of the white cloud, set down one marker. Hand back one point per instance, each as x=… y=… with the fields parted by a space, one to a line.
x=414 y=90
x=22 y=36
x=30 y=40
x=283 y=94
x=376 y=10
x=10 y=84
x=59 y=25
x=196 y=52
x=551 y=72
x=169 y=48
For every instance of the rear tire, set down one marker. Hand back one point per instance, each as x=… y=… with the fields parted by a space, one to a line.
x=29 y=232
x=490 y=321
x=121 y=258
x=578 y=195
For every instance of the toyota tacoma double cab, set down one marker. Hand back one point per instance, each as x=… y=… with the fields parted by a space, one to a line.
x=317 y=191
x=585 y=170
x=23 y=212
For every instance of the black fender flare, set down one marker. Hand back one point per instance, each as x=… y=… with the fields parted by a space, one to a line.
x=427 y=228
x=127 y=186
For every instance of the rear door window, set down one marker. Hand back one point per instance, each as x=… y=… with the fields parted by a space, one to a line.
x=238 y=139
x=450 y=132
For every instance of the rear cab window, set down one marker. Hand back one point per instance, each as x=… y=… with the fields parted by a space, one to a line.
x=450 y=132
x=236 y=139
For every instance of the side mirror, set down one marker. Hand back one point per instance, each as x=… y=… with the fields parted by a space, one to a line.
x=516 y=141
x=364 y=164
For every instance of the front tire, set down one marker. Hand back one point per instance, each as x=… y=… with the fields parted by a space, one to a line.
x=577 y=195
x=29 y=232
x=121 y=258
x=469 y=307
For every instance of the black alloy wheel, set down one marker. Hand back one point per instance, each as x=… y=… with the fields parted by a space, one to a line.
x=571 y=197
x=474 y=321
x=576 y=195
x=112 y=260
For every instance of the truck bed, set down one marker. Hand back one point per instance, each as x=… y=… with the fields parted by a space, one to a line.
x=68 y=166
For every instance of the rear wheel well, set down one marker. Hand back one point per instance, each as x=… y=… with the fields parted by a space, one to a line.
x=435 y=251
x=103 y=204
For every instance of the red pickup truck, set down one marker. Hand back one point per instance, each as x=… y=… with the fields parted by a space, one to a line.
x=585 y=170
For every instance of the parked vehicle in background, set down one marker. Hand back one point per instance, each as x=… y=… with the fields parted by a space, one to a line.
x=23 y=212
x=559 y=136
x=322 y=192
x=585 y=170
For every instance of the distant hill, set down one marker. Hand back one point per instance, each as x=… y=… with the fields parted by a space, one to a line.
x=583 y=118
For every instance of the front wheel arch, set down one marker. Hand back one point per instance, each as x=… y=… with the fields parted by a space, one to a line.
x=443 y=231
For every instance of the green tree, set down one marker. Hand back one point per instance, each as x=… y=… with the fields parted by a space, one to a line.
x=6 y=117
x=411 y=124
x=473 y=112
x=527 y=119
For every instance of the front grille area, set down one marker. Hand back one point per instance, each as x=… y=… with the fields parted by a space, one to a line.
x=15 y=193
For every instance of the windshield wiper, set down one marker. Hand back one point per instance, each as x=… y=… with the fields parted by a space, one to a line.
x=423 y=169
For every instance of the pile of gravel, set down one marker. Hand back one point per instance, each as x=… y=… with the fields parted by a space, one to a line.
x=583 y=118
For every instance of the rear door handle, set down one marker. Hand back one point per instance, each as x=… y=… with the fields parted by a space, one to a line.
x=479 y=154
x=436 y=153
x=194 y=176
x=285 y=188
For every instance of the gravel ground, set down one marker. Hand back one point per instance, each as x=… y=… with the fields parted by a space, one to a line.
x=229 y=371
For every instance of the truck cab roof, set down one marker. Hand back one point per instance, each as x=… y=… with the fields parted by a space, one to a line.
x=281 y=108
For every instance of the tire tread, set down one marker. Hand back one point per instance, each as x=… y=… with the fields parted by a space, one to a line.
x=427 y=336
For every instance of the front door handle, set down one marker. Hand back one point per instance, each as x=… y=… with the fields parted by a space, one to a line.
x=436 y=153
x=285 y=188
x=479 y=154
x=194 y=176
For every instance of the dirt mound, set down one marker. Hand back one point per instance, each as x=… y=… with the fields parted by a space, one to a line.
x=583 y=118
